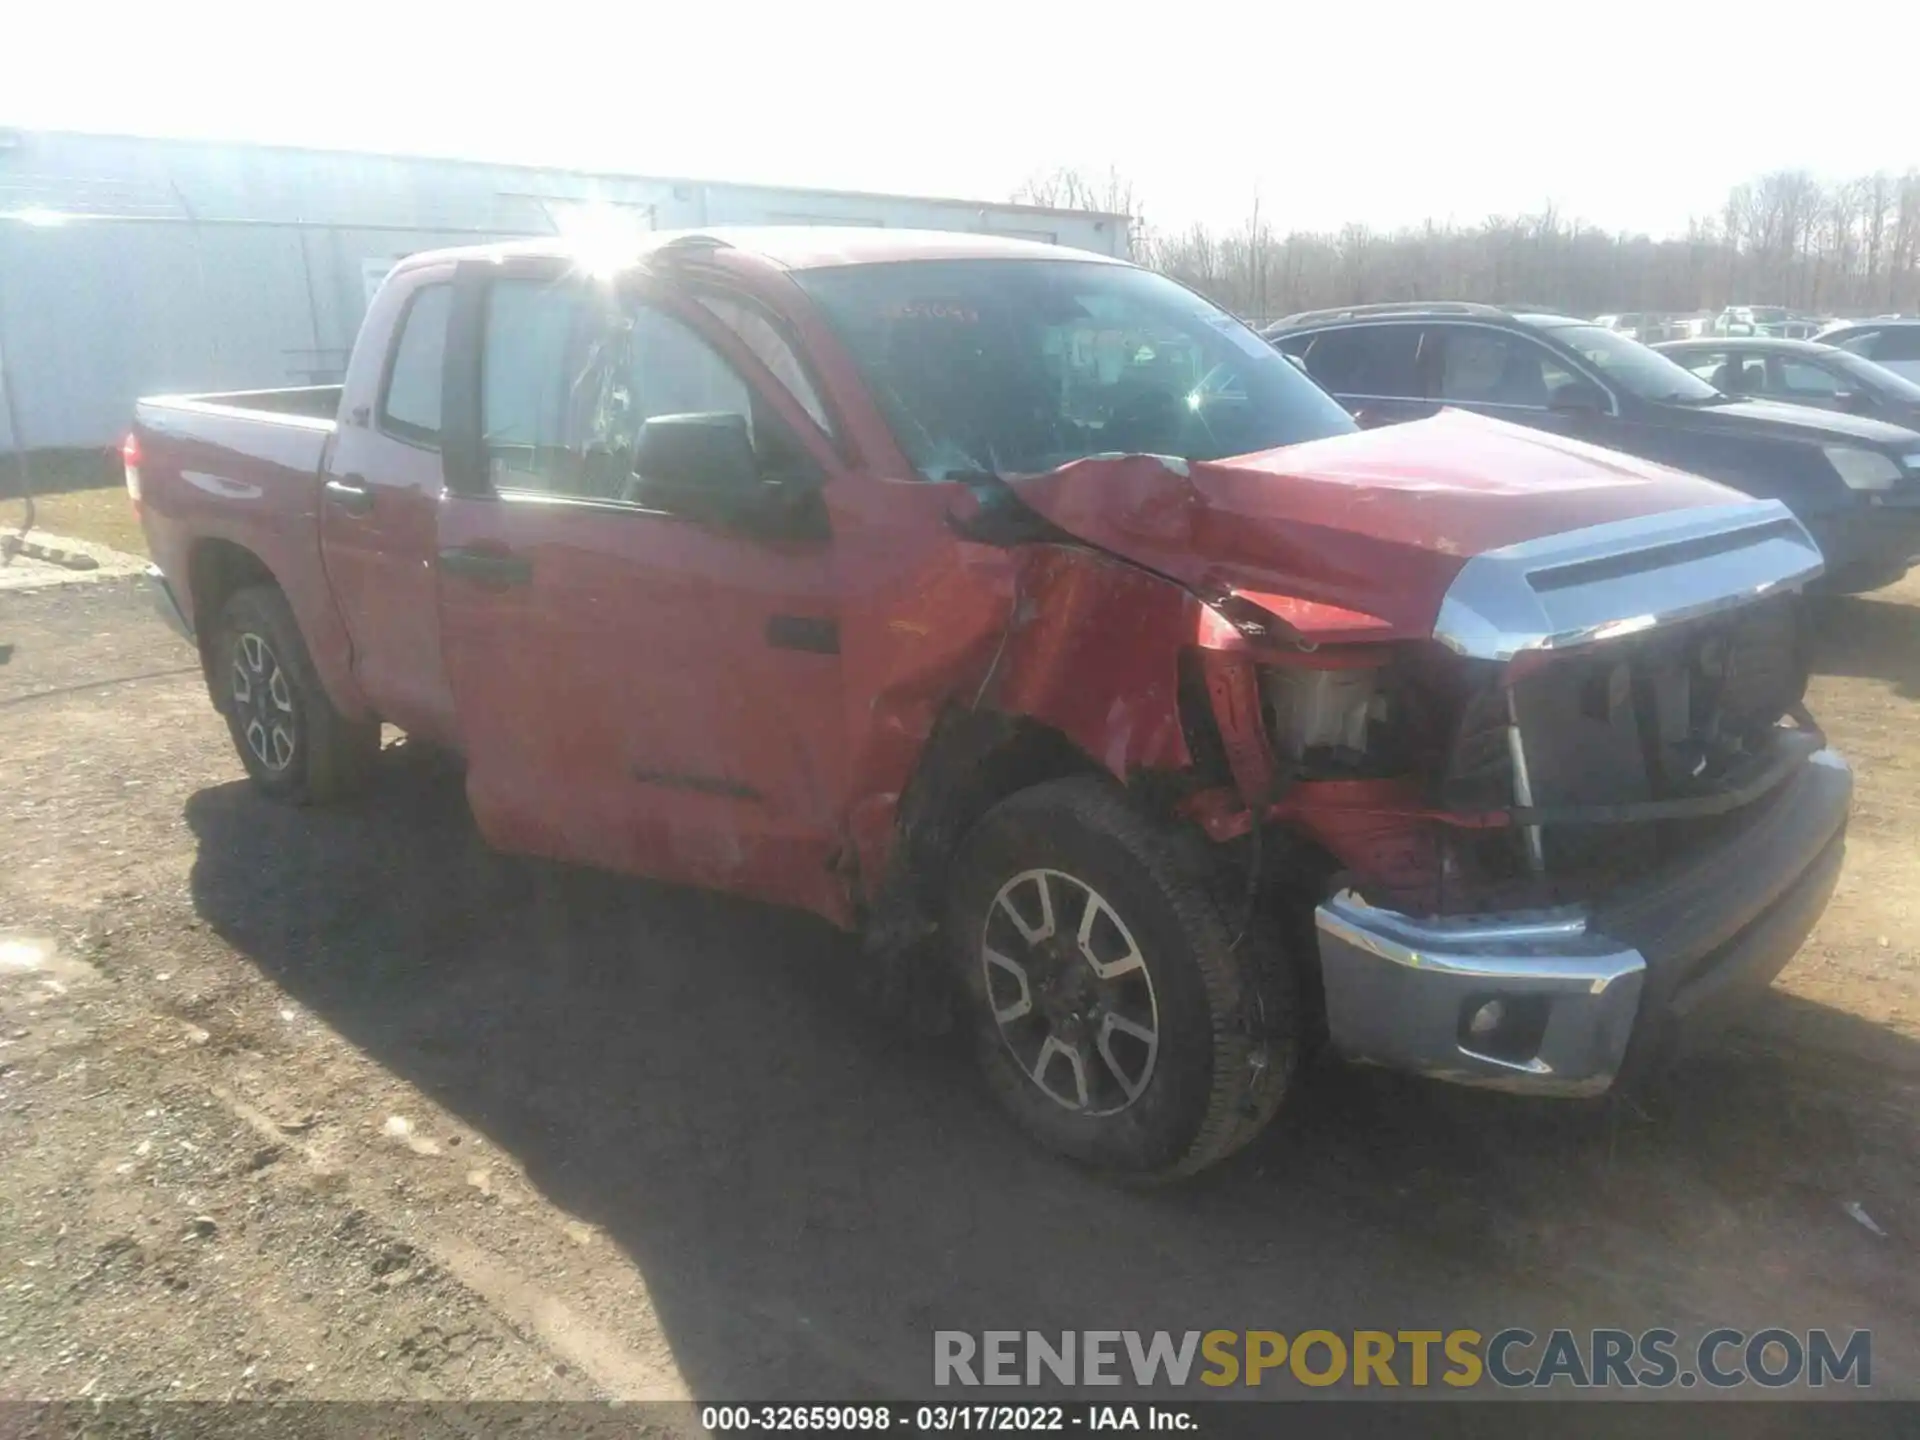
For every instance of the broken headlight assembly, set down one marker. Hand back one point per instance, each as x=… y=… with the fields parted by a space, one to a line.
x=1333 y=723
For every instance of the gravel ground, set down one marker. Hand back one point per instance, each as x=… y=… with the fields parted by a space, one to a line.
x=341 y=1104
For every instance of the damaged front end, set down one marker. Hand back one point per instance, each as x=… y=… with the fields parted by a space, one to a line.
x=1589 y=810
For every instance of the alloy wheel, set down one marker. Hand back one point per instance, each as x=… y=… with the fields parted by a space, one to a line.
x=1070 y=992
x=263 y=702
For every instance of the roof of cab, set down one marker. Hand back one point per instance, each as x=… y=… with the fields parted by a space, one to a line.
x=791 y=247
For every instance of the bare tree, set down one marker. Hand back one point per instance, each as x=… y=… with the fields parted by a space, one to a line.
x=1065 y=188
x=1785 y=238
x=1877 y=202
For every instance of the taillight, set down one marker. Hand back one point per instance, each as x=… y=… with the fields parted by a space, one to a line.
x=130 y=457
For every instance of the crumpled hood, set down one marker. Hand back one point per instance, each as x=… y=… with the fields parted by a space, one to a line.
x=1357 y=536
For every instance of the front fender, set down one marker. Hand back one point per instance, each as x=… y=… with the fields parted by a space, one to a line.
x=1092 y=651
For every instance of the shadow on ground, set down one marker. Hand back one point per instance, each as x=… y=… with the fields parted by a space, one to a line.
x=808 y=1196
x=1869 y=638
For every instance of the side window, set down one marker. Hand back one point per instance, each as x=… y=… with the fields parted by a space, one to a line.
x=669 y=370
x=1493 y=367
x=1800 y=380
x=1900 y=344
x=525 y=384
x=569 y=375
x=1743 y=374
x=410 y=401
x=771 y=349
x=1367 y=360
x=1706 y=364
x=1860 y=343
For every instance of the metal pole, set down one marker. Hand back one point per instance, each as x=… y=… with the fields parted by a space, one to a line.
x=13 y=431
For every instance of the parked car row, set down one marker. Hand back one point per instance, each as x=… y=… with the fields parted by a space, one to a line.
x=1853 y=479
x=1802 y=372
x=1652 y=327
x=1891 y=341
x=1766 y=322
x=1647 y=327
x=1036 y=622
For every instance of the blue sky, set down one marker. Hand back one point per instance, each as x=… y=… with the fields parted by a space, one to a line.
x=1629 y=114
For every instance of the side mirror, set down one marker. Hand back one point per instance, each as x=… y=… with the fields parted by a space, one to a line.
x=702 y=461
x=1854 y=402
x=1578 y=398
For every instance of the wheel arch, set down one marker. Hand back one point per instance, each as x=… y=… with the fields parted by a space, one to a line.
x=218 y=566
x=974 y=759
x=216 y=569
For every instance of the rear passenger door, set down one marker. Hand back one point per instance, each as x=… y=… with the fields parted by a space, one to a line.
x=383 y=482
x=1374 y=370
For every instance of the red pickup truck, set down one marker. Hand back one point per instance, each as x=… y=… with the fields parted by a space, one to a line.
x=1026 y=614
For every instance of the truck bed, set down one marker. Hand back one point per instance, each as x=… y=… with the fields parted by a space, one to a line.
x=228 y=443
x=239 y=467
x=308 y=402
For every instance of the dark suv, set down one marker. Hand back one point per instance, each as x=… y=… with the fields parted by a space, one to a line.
x=1855 y=482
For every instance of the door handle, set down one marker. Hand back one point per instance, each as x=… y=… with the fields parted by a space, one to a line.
x=486 y=567
x=350 y=494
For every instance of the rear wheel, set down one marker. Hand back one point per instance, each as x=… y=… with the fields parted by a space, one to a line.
x=295 y=745
x=1115 y=1017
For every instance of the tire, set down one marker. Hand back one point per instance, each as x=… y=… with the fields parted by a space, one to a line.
x=1225 y=1020
x=297 y=748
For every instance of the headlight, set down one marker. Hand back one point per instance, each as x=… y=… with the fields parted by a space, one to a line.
x=1862 y=469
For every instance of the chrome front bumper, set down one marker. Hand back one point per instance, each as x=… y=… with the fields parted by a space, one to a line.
x=1582 y=996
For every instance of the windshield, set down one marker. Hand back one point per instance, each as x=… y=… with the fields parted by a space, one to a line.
x=1876 y=378
x=1015 y=367
x=1633 y=367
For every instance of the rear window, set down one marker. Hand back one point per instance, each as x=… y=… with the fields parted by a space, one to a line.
x=410 y=403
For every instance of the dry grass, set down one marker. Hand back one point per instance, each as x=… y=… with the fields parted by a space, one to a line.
x=103 y=516
x=76 y=493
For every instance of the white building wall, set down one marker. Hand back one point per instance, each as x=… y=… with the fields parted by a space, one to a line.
x=132 y=266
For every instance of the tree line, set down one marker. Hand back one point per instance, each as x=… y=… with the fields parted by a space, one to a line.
x=1849 y=247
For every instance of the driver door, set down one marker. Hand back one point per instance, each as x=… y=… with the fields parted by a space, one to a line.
x=644 y=684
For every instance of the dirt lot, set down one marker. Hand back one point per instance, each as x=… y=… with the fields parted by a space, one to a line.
x=339 y=1104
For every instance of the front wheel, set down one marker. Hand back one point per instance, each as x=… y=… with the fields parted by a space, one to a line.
x=1116 y=1017
x=295 y=745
